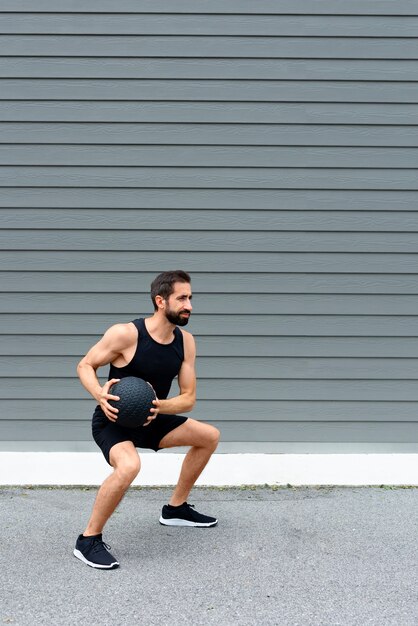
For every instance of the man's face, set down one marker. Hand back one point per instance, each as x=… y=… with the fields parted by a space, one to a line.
x=179 y=304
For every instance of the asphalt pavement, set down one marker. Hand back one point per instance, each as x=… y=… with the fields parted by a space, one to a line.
x=287 y=556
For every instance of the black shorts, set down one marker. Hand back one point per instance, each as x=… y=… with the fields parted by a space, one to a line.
x=106 y=433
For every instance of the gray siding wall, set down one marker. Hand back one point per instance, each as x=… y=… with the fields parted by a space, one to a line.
x=270 y=148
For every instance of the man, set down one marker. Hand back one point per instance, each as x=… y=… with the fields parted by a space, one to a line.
x=157 y=350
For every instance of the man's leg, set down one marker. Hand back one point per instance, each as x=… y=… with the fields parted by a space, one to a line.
x=126 y=465
x=90 y=547
x=204 y=439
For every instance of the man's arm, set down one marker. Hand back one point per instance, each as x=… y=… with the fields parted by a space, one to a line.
x=115 y=340
x=185 y=401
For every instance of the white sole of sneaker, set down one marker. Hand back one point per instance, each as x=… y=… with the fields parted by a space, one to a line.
x=80 y=556
x=175 y=521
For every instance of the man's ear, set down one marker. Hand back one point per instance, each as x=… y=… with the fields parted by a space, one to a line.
x=160 y=302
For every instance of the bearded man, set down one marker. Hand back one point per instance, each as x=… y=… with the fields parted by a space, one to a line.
x=156 y=349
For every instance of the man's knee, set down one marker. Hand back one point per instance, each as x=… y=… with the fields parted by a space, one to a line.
x=128 y=469
x=127 y=466
x=213 y=436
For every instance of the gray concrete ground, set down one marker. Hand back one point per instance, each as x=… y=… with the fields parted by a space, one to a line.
x=297 y=556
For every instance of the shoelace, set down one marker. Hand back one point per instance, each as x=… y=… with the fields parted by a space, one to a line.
x=99 y=545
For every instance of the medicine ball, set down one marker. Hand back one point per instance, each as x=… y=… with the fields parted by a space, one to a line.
x=135 y=404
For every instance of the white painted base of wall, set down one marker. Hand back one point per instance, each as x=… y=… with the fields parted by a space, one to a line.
x=89 y=468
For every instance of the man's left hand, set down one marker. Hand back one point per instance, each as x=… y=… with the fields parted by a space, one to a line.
x=154 y=412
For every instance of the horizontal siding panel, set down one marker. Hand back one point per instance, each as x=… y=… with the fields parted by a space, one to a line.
x=209 y=90
x=210 y=282
x=277 y=199
x=209 y=241
x=198 y=69
x=374 y=432
x=153 y=24
x=74 y=345
x=283 y=135
x=210 y=46
x=272 y=7
x=223 y=220
x=210 y=134
x=395 y=432
x=218 y=262
x=259 y=410
x=219 y=178
x=53 y=388
x=126 y=305
x=198 y=156
x=241 y=367
x=225 y=325
x=204 y=112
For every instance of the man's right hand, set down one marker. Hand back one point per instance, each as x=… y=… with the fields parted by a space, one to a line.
x=104 y=396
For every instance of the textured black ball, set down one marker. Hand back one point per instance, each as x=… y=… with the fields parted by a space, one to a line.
x=136 y=396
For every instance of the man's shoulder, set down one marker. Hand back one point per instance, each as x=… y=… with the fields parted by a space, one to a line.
x=188 y=342
x=123 y=333
x=186 y=335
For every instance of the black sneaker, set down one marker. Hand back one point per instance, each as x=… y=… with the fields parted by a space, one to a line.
x=94 y=552
x=185 y=515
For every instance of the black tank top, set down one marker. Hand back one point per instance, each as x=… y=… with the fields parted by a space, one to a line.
x=155 y=362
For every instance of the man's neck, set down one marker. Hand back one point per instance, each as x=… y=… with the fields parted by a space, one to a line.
x=160 y=328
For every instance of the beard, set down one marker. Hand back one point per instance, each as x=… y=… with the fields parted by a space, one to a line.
x=177 y=318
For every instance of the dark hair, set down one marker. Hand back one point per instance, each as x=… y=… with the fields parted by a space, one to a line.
x=163 y=284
